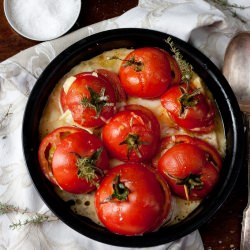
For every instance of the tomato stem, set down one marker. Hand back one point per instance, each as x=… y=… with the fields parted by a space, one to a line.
x=190 y=182
x=187 y=191
x=133 y=142
x=96 y=101
x=188 y=100
x=120 y=191
x=87 y=165
x=138 y=65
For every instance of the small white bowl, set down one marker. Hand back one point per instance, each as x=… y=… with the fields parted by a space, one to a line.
x=42 y=20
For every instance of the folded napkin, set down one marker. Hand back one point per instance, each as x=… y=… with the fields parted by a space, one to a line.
x=207 y=25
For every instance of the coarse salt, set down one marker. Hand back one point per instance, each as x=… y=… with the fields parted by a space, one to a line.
x=43 y=19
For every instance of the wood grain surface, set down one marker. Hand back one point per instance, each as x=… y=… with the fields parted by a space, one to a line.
x=223 y=230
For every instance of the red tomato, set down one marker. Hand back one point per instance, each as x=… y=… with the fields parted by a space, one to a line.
x=90 y=98
x=48 y=146
x=211 y=151
x=189 y=108
x=145 y=73
x=114 y=80
x=79 y=162
x=132 y=134
x=175 y=69
x=131 y=200
x=190 y=166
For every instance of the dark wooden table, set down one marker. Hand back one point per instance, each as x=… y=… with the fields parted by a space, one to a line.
x=223 y=230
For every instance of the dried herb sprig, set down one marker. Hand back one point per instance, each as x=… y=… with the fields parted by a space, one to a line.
x=97 y=101
x=225 y=5
x=7 y=208
x=37 y=219
x=33 y=217
x=185 y=67
x=4 y=116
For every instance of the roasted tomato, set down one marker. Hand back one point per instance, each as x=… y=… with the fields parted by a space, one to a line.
x=191 y=166
x=132 y=134
x=90 y=99
x=132 y=199
x=145 y=73
x=170 y=141
x=114 y=80
x=48 y=146
x=79 y=162
x=189 y=108
x=175 y=69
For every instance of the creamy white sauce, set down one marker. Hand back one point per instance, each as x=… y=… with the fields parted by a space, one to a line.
x=53 y=117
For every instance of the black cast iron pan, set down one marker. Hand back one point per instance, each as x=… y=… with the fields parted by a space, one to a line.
x=133 y=38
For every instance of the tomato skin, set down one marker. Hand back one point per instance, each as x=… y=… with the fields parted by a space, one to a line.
x=137 y=121
x=48 y=146
x=209 y=176
x=63 y=101
x=169 y=141
x=181 y=160
x=189 y=157
x=114 y=80
x=152 y=79
x=147 y=204
x=175 y=69
x=198 y=118
x=64 y=162
x=167 y=208
x=86 y=115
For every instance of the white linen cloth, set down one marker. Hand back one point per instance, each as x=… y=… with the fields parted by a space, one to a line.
x=207 y=26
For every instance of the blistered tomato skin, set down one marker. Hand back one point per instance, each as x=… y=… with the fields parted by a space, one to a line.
x=189 y=108
x=132 y=134
x=141 y=204
x=79 y=162
x=175 y=69
x=169 y=141
x=90 y=99
x=114 y=80
x=190 y=166
x=146 y=73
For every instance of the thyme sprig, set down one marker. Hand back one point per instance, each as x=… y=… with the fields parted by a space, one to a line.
x=33 y=217
x=87 y=168
x=225 y=5
x=185 y=67
x=97 y=101
x=4 y=116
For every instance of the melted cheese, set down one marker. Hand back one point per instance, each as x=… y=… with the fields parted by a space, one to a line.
x=68 y=83
x=53 y=117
